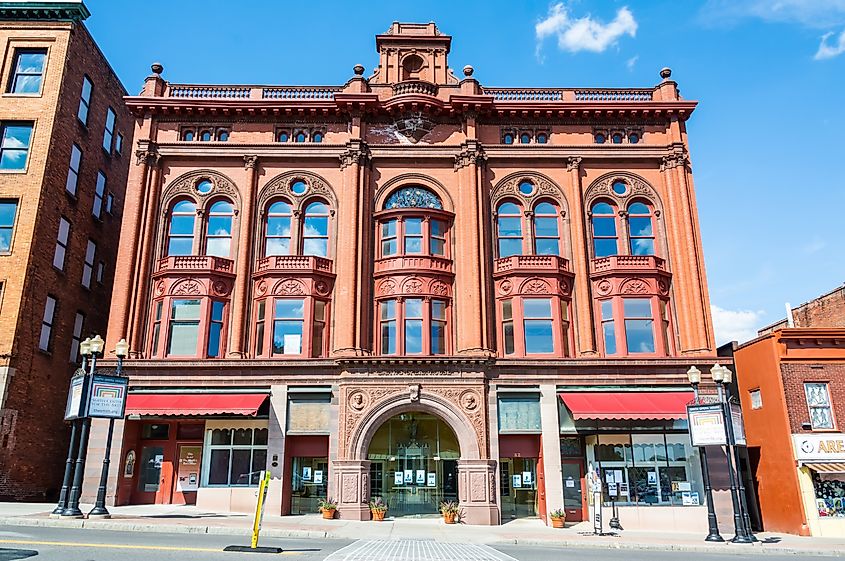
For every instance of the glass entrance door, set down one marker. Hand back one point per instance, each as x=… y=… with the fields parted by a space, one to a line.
x=414 y=464
x=518 y=480
x=310 y=484
x=572 y=499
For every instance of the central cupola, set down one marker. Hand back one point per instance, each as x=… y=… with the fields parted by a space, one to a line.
x=413 y=52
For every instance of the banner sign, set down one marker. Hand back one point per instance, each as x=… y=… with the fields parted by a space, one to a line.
x=707 y=425
x=76 y=398
x=107 y=396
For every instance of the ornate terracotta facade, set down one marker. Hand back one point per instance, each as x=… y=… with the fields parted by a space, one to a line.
x=412 y=243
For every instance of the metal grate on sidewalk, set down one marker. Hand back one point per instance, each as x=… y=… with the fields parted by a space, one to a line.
x=416 y=550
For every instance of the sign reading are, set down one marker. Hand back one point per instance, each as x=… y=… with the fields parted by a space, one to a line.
x=826 y=447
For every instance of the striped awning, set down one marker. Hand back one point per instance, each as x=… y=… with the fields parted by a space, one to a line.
x=827 y=467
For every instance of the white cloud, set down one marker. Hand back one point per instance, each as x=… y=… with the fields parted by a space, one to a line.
x=734 y=325
x=829 y=51
x=584 y=34
x=809 y=13
x=631 y=62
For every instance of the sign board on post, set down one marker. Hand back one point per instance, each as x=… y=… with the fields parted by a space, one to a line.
x=738 y=425
x=107 y=396
x=707 y=425
x=76 y=397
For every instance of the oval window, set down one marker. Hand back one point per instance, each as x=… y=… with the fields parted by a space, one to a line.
x=526 y=187
x=619 y=187
x=298 y=187
x=204 y=187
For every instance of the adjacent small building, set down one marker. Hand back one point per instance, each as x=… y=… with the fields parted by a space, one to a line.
x=65 y=138
x=792 y=387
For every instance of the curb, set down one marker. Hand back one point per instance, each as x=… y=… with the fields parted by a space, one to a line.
x=121 y=526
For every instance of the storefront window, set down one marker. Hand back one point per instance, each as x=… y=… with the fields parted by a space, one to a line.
x=830 y=494
x=519 y=413
x=309 y=484
x=236 y=456
x=647 y=469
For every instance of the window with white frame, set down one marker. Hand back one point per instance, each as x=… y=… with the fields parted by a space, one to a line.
x=235 y=455
x=108 y=133
x=88 y=266
x=99 y=195
x=61 y=244
x=76 y=338
x=85 y=100
x=73 y=169
x=47 y=324
x=818 y=402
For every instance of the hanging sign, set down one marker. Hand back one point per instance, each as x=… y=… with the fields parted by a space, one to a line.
x=76 y=401
x=707 y=425
x=107 y=396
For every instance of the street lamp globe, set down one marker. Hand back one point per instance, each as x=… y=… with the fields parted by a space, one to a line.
x=717 y=373
x=97 y=345
x=121 y=349
x=85 y=347
x=694 y=375
x=727 y=375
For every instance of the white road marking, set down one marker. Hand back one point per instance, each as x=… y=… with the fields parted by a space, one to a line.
x=416 y=550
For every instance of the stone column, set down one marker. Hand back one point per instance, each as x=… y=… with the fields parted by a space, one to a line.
x=580 y=263
x=276 y=448
x=334 y=423
x=493 y=431
x=128 y=247
x=240 y=300
x=477 y=492
x=94 y=463
x=352 y=485
x=143 y=264
x=551 y=447
x=468 y=282
x=347 y=286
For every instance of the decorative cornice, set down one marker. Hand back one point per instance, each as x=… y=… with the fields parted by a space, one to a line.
x=44 y=11
x=356 y=152
x=471 y=153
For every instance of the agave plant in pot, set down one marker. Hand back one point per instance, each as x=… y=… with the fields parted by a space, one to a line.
x=558 y=517
x=378 y=508
x=328 y=507
x=449 y=510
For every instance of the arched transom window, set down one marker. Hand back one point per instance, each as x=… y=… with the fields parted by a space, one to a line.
x=536 y=232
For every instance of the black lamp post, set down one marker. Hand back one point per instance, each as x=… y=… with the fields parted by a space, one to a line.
x=100 y=511
x=713 y=535
x=74 y=425
x=90 y=348
x=743 y=531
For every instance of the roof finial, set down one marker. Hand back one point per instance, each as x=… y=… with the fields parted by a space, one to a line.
x=358 y=69
x=665 y=72
x=157 y=68
x=468 y=70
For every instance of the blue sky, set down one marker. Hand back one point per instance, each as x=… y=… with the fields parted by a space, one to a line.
x=766 y=139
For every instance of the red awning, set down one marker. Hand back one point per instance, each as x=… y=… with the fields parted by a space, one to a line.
x=628 y=405
x=192 y=404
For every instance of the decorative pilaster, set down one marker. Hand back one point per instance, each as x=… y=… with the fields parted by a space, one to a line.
x=586 y=340
x=352 y=485
x=349 y=262
x=143 y=262
x=244 y=261
x=477 y=492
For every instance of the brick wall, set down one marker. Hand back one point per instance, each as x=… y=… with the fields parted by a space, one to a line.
x=31 y=462
x=795 y=375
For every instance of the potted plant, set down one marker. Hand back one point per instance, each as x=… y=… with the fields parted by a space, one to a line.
x=558 y=517
x=378 y=508
x=449 y=510
x=327 y=506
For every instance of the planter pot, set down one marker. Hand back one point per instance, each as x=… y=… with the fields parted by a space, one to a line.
x=557 y=522
x=449 y=518
x=328 y=514
x=378 y=515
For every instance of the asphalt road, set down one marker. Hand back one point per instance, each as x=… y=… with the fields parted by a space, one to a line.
x=60 y=544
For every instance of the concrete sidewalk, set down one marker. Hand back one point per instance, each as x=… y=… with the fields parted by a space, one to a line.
x=191 y=520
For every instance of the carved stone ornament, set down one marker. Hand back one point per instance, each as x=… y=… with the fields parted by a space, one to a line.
x=355 y=153
x=387 y=286
x=288 y=287
x=262 y=287
x=543 y=188
x=358 y=400
x=186 y=185
x=280 y=186
x=439 y=288
x=602 y=188
x=412 y=286
x=535 y=286
x=634 y=286
x=414 y=126
x=573 y=163
x=470 y=400
x=662 y=287
x=505 y=287
x=322 y=287
x=563 y=285
x=414 y=392
x=187 y=287
x=250 y=162
x=604 y=287
x=220 y=288
x=160 y=288
x=471 y=153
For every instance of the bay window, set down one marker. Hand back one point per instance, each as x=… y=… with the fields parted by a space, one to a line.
x=413 y=235
x=194 y=327
x=535 y=326
x=298 y=327
x=639 y=325
x=634 y=326
x=288 y=317
x=184 y=327
x=424 y=326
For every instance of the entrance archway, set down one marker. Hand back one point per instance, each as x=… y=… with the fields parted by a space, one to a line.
x=414 y=463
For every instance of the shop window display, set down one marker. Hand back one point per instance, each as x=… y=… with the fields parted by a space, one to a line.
x=830 y=494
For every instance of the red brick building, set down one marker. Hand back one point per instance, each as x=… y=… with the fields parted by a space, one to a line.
x=64 y=159
x=411 y=286
x=792 y=385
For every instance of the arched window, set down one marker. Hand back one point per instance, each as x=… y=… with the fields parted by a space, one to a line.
x=277 y=234
x=640 y=229
x=180 y=237
x=546 y=229
x=187 y=135
x=542 y=138
x=605 y=237
x=205 y=136
x=410 y=231
x=300 y=137
x=509 y=229
x=413 y=197
x=616 y=138
x=223 y=135
x=507 y=138
x=218 y=240
x=315 y=230
x=317 y=137
x=525 y=138
x=283 y=136
x=412 y=67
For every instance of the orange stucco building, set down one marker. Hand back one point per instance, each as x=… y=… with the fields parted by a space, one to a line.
x=792 y=387
x=411 y=286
